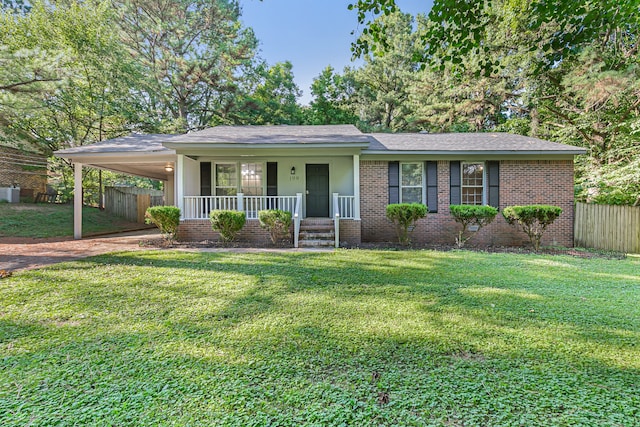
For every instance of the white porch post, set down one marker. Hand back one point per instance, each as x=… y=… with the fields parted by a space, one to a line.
x=240 y=204
x=77 y=201
x=179 y=184
x=356 y=187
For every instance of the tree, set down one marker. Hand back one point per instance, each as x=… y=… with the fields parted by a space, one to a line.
x=462 y=27
x=194 y=52
x=383 y=84
x=331 y=103
x=272 y=99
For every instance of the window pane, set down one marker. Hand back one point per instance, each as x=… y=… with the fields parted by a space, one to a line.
x=228 y=191
x=471 y=195
x=472 y=174
x=252 y=179
x=412 y=195
x=411 y=174
x=226 y=175
x=472 y=183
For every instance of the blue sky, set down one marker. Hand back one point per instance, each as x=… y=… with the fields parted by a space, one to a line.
x=311 y=34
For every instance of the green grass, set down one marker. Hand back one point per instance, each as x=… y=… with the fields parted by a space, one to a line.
x=54 y=220
x=452 y=338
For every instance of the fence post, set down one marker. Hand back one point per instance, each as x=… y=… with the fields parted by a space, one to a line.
x=143 y=202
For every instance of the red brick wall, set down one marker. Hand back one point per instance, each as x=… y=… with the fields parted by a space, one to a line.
x=350 y=232
x=522 y=182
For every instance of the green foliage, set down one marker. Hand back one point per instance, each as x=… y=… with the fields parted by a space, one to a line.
x=277 y=222
x=331 y=103
x=270 y=99
x=227 y=223
x=404 y=217
x=533 y=219
x=471 y=215
x=194 y=53
x=149 y=338
x=166 y=218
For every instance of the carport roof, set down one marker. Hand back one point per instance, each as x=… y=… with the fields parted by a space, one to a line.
x=134 y=143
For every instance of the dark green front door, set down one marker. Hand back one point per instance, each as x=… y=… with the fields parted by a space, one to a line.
x=317 y=190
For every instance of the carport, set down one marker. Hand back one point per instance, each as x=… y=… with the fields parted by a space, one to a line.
x=136 y=154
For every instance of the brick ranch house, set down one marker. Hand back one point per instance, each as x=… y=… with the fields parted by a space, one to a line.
x=321 y=173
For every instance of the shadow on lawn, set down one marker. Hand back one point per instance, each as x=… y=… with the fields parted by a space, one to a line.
x=452 y=309
x=249 y=329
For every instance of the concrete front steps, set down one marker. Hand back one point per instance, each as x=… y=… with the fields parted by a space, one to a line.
x=317 y=233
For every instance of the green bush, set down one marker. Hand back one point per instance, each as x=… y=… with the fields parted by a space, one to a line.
x=471 y=215
x=277 y=222
x=166 y=218
x=533 y=219
x=227 y=223
x=404 y=216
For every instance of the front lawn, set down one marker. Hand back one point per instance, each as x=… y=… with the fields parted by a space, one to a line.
x=346 y=338
x=55 y=220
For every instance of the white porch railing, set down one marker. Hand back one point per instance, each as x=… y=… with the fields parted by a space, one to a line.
x=199 y=207
x=346 y=206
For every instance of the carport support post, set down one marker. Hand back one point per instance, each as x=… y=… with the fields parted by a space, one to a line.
x=77 y=201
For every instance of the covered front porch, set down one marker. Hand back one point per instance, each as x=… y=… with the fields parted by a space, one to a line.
x=319 y=187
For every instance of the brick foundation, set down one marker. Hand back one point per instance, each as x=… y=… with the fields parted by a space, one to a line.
x=350 y=232
x=522 y=182
x=198 y=230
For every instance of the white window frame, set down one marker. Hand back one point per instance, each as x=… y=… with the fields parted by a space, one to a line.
x=238 y=173
x=263 y=178
x=215 y=176
x=423 y=187
x=484 y=182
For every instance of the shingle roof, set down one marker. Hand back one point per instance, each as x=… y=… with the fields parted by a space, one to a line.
x=464 y=142
x=137 y=143
x=330 y=135
x=281 y=134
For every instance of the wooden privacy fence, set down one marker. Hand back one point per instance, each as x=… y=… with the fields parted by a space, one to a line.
x=131 y=202
x=613 y=228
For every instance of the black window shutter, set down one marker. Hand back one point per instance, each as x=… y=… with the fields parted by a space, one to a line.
x=454 y=183
x=394 y=182
x=205 y=178
x=493 y=177
x=432 y=186
x=272 y=179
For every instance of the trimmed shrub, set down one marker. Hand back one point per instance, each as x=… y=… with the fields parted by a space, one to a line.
x=533 y=219
x=227 y=223
x=277 y=222
x=166 y=218
x=471 y=215
x=404 y=217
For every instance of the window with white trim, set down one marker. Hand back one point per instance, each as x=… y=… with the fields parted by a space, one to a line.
x=226 y=179
x=251 y=179
x=411 y=182
x=472 y=183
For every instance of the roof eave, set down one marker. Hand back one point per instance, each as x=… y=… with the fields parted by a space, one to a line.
x=457 y=153
x=262 y=146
